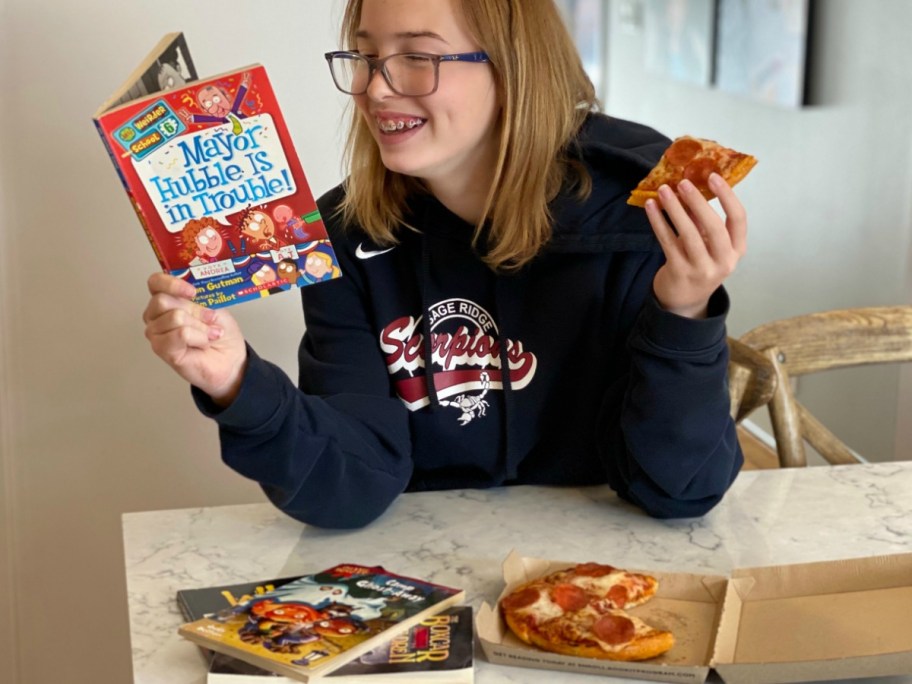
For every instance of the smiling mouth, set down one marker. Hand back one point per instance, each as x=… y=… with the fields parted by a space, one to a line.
x=393 y=126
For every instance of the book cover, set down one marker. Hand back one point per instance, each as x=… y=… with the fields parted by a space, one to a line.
x=213 y=176
x=310 y=626
x=438 y=649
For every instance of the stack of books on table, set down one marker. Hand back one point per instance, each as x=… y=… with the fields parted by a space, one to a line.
x=351 y=623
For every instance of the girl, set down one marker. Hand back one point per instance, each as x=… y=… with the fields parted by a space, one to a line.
x=504 y=317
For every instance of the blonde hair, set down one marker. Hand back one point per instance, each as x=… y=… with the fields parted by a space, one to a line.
x=545 y=95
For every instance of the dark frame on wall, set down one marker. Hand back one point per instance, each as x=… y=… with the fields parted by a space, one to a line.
x=762 y=50
x=678 y=39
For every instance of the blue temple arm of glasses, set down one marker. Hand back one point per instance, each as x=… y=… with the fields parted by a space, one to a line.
x=465 y=57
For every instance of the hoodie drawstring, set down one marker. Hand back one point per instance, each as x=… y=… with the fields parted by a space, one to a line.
x=500 y=284
x=505 y=291
x=424 y=286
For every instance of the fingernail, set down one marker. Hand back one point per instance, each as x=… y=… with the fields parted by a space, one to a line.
x=215 y=332
x=714 y=180
x=650 y=204
x=686 y=186
x=208 y=316
x=665 y=192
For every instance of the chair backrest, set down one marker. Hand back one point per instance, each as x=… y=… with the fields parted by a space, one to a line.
x=751 y=379
x=818 y=342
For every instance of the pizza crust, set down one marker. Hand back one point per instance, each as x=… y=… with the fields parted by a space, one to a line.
x=519 y=627
x=643 y=647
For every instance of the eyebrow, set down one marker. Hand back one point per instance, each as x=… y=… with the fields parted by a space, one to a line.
x=407 y=34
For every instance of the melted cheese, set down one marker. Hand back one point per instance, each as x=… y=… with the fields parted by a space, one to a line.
x=598 y=585
x=544 y=608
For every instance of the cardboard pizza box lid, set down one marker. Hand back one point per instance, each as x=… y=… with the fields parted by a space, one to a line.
x=790 y=623
x=817 y=621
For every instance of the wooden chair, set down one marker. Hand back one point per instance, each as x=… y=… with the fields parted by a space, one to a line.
x=818 y=342
x=751 y=379
x=751 y=384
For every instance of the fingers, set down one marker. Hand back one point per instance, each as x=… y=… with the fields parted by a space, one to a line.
x=663 y=231
x=198 y=332
x=174 y=323
x=172 y=342
x=689 y=237
x=693 y=217
x=709 y=223
x=170 y=293
x=176 y=331
x=735 y=215
x=161 y=304
x=168 y=284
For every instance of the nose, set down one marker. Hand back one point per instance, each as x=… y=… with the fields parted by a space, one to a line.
x=378 y=88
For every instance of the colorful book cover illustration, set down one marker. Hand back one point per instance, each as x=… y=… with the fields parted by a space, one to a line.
x=313 y=625
x=438 y=649
x=213 y=176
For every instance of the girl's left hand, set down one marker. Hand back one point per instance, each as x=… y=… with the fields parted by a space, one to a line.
x=702 y=249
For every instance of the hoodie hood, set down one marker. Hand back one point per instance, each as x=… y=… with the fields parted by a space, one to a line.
x=617 y=154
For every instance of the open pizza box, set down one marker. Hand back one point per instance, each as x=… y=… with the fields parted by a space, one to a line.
x=789 y=623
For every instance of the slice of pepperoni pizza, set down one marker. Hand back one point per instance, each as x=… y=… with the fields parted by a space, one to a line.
x=581 y=611
x=694 y=159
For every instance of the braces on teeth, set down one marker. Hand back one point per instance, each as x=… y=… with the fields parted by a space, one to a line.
x=390 y=126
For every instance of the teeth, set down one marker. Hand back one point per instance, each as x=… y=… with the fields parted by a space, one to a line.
x=390 y=126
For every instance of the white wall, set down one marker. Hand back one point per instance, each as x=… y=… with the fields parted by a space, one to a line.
x=830 y=202
x=93 y=425
x=8 y=637
x=101 y=426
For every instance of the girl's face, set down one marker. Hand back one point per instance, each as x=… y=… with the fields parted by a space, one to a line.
x=448 y=136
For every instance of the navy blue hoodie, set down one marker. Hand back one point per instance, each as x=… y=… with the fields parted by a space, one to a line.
x=603 y=385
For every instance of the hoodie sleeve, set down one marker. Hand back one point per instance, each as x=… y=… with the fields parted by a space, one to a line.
x=678 y=445
x=668 y=444
x=334 y=451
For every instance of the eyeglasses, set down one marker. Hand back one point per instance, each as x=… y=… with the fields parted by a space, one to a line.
x=410 y=74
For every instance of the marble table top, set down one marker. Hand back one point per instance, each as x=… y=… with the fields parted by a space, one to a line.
x=459 y=538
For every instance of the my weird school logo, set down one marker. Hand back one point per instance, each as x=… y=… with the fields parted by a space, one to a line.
x=465 y=358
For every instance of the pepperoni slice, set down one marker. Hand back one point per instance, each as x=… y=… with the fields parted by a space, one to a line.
x=698 y=172
x=618 y=595
x=521 y=599
x=593 y=570
x=682 y=151
x=614 y=629
x=569 y=597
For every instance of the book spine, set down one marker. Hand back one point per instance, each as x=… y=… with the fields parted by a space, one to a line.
x=129 y=191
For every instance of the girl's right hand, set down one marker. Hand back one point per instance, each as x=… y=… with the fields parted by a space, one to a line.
x=205 y=346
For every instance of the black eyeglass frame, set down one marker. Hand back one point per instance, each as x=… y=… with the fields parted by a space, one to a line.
x=375 y=64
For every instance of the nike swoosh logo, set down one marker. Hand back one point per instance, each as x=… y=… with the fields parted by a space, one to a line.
x=364 y=254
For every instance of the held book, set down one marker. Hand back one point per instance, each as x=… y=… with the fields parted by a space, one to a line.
x=311 y=626
x=210 y=169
